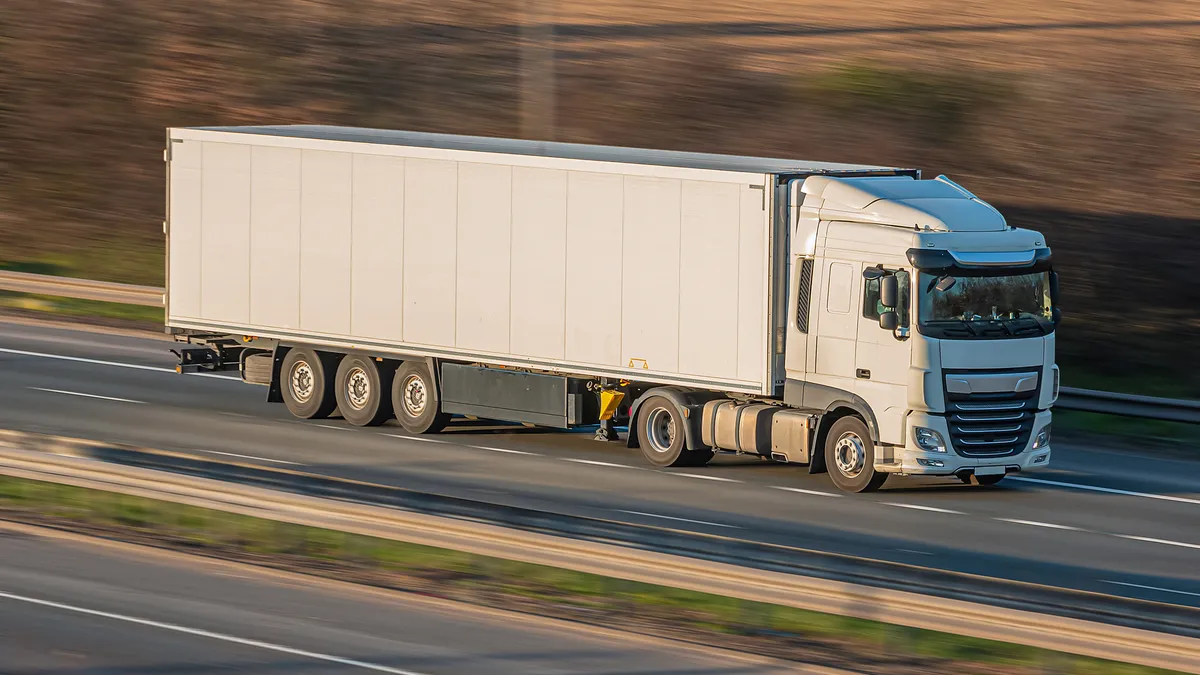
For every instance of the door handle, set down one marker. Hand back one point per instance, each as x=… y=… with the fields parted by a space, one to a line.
x=862 y=374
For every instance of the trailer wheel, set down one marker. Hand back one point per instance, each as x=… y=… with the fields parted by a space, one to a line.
x=364 y=390
x=662 y=438
x=850 y=456
x=306 y=384
x=415 y=400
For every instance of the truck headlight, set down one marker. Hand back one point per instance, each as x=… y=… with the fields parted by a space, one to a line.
x=1043 y=438
x=929 y=439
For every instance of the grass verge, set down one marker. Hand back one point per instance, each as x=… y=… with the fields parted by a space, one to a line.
x=770 y=630
x=113 y=314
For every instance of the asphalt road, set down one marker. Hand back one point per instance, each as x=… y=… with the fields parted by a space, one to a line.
x=1114 y=522
x=74 y=607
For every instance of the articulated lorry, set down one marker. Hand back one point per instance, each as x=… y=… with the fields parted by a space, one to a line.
x=859 y=320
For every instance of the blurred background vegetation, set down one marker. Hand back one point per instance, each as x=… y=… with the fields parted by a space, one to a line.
x=1080 y=119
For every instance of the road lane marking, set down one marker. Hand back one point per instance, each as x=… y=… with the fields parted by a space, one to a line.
x=1038 y=523
x=682 y=520
x=330 y=426
x=1151 y=588
x=115 y=364
x=506 y=451
x=802 y=491
x=593 y=462
x=910 y=550
x=1112 y=491
x=80 y=393
x=223 y=637
x=701 y=476
x=415 y=438
x=919 y=507
x=1152 y=540
x=260 y=459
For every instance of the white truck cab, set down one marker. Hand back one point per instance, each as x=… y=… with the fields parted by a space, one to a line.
x=917 y=307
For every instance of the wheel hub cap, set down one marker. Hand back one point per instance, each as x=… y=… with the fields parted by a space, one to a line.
x=358 y=388
x=661 y=427
x=414 y=395
x=302 y=381
x=850 y=455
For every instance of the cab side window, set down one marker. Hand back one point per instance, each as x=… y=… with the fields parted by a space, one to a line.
x=872 y=308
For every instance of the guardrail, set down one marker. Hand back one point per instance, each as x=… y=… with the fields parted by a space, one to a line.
x=84 y=289
x=1070 y=398
x=1129 y=405
x=1178 y=649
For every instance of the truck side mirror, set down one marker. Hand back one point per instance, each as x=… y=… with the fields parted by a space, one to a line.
x=889 y=291
x=889 y=320
x=1054 y=287
x=1056 y=315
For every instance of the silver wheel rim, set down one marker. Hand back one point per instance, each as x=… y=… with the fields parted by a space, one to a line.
x=358 y=388
x=414 y=395
x=850 y=454
x=302 y=381
x=660 y=430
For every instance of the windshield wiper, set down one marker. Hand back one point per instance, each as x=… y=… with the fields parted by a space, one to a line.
x=1036 y=325
x=965 y=324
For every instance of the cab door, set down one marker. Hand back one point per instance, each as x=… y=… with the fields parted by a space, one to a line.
x=882 y=356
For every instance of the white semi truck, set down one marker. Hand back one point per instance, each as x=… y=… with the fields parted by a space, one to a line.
x=855 y=319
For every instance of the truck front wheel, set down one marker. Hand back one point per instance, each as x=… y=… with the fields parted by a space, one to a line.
x=307 y=384
x=850 y=456
x=662 y=438
x=415 y=399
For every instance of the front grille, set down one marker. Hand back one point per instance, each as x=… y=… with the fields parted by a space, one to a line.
x=994 y=424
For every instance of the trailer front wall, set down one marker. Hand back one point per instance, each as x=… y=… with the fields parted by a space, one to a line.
x=516 y=260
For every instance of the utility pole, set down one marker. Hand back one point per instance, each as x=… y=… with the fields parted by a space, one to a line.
x=538 y=104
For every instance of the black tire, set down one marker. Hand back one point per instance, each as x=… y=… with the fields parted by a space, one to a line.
x=662 y=438
x=364 y=390
x=306 y=382
x=855 y=472
x=257 y=368
x=415 y=400
x=987 y=480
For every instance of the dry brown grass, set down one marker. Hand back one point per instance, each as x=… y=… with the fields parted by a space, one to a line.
x=1080 y=118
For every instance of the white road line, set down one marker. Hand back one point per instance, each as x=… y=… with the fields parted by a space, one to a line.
x=115 y=364
x=415 y=438
x=80 y=393
x=593 y=462
x=1151 y=588
x=701 y=476
x=919 y=507
x=506 y=451
x=260 y=459
x=1037 y=523
x=330 y=426
x=1112 y=491
x=802 y=491
x=910 y=550
x=1152 y=540
x=223 y=637
x=682 y=520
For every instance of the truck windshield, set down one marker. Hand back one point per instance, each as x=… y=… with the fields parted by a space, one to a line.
x=985 y=306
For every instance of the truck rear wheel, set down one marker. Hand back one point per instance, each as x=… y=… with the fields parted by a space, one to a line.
x=364 y=390
x=306 y=384
x=850 y=456
x=662 y=438
x=415 y=400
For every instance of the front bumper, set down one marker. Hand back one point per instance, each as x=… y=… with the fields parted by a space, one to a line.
x=914 y=460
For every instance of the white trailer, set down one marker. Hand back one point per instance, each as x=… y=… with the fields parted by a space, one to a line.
x=709 y=301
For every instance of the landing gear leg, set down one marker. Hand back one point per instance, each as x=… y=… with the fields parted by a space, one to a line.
x=607 y=431
x=610 y=400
